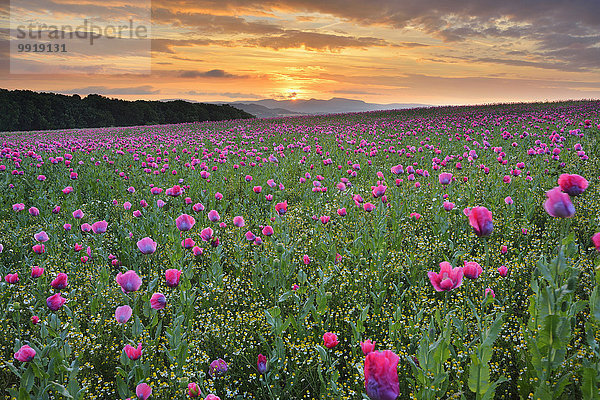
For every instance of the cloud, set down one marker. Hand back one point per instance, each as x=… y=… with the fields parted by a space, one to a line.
x=213 y=73
x=144 y=89
x=213 y=24
x=314 y=41
x=231 y=95
x=563 y=33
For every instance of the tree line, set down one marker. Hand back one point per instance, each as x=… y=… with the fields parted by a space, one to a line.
x=25 y=110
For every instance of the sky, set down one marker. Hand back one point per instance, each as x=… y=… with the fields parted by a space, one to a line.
x=379 y=51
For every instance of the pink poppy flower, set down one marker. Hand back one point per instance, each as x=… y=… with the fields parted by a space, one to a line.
x=25 y=354
x=129 y=281
x=330 y=340
x=480 y=219
x=185 y=222
x=133 y=353
x=558 y=204
x=123 y=313
x=381 y=375
x=146 y=245
x=447 y=279
x=367 y=346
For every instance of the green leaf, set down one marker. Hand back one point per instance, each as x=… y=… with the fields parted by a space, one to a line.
x=23 y=395
x=28 y=378
x=122 y=388
x=61 y=389
x=589 y=384
x=322 y=353
x=493 y=331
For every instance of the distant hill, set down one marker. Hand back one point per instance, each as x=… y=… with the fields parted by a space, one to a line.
x=25 y=110
x=265 y=112
x=315 y=106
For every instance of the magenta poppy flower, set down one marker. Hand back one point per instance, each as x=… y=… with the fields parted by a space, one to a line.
x=213 y=216
x=325 y=219
x=35 y=319
x=239 y=221
x=269 y=197
x=573 y=184
x=146 y=245
x=378 y=191
x=18 y=207
x=381 y=375
x=257 y=189
x=330 y=340
x=250 y=236
x=445 y=178
x=188 y=243
x=34 y=211
x=56 y=210
x=217 y=367
x=143 y=391
x=503 y=271
x=472 y=270
x=41 y=236
x=77 y=214
x=55 y=302
x=36 y=271
x=368 y=207
x=596 y=241
x=342 y=212
x=489 y=292
x=448 y=206
x=367 y=346
x=185 y=222
x=558 y=204
x=60 y=282
x=174 y=191
x=67 y=227
x=172 y=277
x=306 y=259
x=198 y=207
x=281 y=208
x=67 y=190
x=25 y=354
x=267 y=230
x=447 y=279
x=480 y=219
x=193 y=389
x=127 y=206
x=206 y=234
x=12 y=278
x=261 y=364
x=123 y=313
x=129 y=281
x=85 y=227
x=132 y=352
x=218 y=196
x=39 y=249
x=158 y=301
x=197 y=251
x=508 y=200
x=212 y=397
x=100 y=226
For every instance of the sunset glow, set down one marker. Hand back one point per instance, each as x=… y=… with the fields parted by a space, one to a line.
x=432 y=52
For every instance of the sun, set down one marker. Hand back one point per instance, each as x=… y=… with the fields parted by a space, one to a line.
x=291 y=94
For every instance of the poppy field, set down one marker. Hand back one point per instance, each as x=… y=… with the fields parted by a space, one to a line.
x=446 y=252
